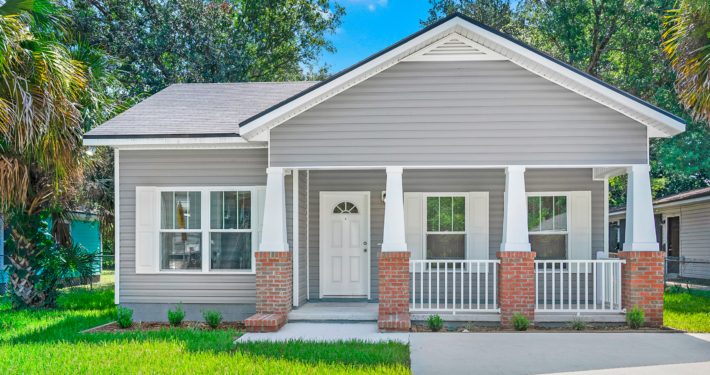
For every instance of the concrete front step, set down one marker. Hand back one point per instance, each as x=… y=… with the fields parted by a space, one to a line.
x=334 y=312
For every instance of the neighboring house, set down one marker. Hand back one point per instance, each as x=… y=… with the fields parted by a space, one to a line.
x=682 y=224
x=85 y=230
x=403 y=180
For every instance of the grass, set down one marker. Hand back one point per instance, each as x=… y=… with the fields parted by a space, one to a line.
x=687 y=310
x=48 y=341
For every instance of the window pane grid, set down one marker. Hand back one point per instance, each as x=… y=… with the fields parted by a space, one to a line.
x=445 y=227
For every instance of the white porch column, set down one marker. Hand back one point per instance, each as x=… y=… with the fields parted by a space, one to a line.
x=515 y=211
x=273 y=235
x=640 y=226
x=393 y=237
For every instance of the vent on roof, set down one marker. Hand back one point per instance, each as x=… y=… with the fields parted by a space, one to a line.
x=454 y=47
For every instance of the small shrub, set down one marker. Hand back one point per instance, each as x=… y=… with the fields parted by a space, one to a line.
x=435 y=323
x=675 y=289
x=520 y=322
x=175 y=317
x=212 y=318
x=578 y=325
x=635 y=318
x=124 y=317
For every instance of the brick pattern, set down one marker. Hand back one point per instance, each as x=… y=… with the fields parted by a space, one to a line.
x=265 y=322
x=516 y=285
x=274 y=291
x=642 y=284
x=394 y=291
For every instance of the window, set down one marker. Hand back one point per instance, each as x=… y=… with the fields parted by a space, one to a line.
x=345 y=208
x=547 y=226
x=446 y=227
x=230 y=230
x=181 y=230
x=206 y=230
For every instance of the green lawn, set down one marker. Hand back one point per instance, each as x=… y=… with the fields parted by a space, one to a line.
x=687 y=310
x=48 y=341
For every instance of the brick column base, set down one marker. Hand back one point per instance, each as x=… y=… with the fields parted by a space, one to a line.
x=274 y=291
x=516 y=285
x=642 y=284
x=394 y=291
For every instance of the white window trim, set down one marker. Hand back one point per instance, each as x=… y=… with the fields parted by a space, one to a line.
x=425 y=231
x=206 y=230
x=567 y=196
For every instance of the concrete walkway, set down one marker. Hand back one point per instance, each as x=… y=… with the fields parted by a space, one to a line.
x=554 y=353
x=327 y=332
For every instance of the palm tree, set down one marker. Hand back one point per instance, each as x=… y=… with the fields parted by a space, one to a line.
x=41 y=86
x=686 y=41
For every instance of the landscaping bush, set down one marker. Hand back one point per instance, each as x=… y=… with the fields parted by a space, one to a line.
x=435 y=323
x=578 y=325
x=635 y=318
x=212 y=318
x=124 y=317
x=675 y=289
x=520 y=322
x=175 y=317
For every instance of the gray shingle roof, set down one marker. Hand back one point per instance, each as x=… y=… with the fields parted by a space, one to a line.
x=207 y=109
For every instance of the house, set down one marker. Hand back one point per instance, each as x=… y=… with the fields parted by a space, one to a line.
x=682 y=223
x=84 y=229
x=418 y=181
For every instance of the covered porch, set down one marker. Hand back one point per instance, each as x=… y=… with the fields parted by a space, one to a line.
x=343 y=224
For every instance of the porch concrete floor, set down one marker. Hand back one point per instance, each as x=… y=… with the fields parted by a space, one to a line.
x=334 y=312
x=327 y=332
x=555 y=353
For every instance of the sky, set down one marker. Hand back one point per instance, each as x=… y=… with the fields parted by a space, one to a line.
x=370 y=26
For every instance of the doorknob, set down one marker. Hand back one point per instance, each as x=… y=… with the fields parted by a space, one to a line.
x=364 y=243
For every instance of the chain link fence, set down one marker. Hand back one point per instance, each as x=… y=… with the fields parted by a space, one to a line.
x=687 y=271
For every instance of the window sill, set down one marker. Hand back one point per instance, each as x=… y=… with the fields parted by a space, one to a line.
x=245 y=272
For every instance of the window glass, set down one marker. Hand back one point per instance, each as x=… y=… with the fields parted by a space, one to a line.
x=230 y=251
x=547 y=224
x=446 y=227
x=533 y=214
x=549 y=246
x=230 y=210
x=181 y=251
x=560 y=213
x=180 y=210
x=546 y=213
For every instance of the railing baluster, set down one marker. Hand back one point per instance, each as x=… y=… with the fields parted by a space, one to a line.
x=495 y=283
x=486 y=287
x=586 y=285
x=446 y=285
x=603 y=276
x=429 y=274
x=438 y=281
x=478 y=286
x=470 y=286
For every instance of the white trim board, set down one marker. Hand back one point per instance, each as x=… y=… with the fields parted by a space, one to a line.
x=169 y=141
x=116 y=226
x=659 y=124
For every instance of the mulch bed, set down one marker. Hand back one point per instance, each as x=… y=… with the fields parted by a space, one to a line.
x=157 y=326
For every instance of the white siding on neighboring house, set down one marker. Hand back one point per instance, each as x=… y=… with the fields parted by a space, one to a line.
x=458 y=113
x=695 y=239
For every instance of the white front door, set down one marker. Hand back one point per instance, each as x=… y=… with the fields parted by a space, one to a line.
x=344 y=244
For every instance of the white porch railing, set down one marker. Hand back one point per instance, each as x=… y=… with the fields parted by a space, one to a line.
x=578 y=286
x=454 y=286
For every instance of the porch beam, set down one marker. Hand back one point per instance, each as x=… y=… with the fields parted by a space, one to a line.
x=393 y=237
x=273 y=235
x=640 y=226
x=515 y=211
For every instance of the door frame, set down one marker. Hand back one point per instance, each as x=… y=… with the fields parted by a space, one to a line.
x=321 y=259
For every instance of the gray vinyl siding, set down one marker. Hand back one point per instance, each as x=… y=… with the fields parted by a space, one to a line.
x=458 y=113
x=182 y=168
x=695 y=239
x=491 y=180
x=302 y=237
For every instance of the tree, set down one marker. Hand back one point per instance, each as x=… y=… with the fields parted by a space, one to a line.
x=43 y=91
x=165 y=42
x=686 y=41
x=497 y=14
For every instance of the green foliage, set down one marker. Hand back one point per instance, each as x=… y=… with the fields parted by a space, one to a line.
x=212 y=317
x=81 y=298
x=30 y=336
x=498 y=14
x=176 y=316
x=675 y=289
x=520 y=322
x=578 y=325
x=175 y=41
x=124 y=317
x=435 y=323
x=635 y=317
x=687 y=310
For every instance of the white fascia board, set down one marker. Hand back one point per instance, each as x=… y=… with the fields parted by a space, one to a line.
x=670 y=125
x=174 y=142
x=659 y=124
